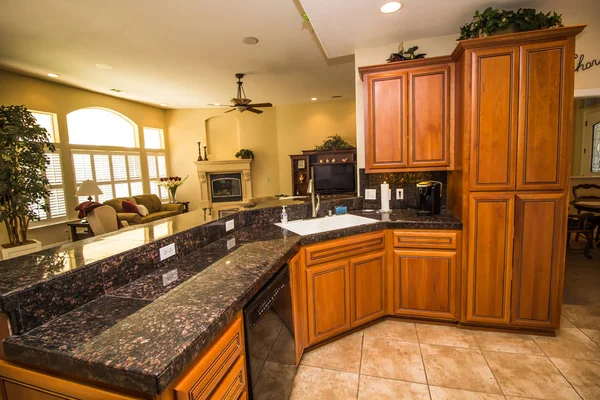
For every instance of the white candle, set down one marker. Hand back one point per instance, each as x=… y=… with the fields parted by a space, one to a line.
x=385 y=197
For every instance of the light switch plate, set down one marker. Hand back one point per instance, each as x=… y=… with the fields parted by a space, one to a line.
x=370 y=194
x=229 y=225
x=230 y=243
x=170 y=277
x=167 y=251
x=399 y=194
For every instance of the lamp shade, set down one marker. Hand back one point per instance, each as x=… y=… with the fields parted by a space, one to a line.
x=88 y=188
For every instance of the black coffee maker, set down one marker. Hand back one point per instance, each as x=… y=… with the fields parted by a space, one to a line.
x=429 y=197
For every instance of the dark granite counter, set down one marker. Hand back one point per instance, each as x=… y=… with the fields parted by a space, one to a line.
x=140 y=334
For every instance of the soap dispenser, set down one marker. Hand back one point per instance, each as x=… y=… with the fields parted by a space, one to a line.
x=284 y=216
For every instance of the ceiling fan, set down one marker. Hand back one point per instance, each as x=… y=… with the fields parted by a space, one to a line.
x=241 y=103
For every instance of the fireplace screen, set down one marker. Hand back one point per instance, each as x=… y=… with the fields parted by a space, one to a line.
x=226 y=187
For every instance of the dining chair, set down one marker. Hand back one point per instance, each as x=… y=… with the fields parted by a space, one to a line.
x=588 y=191
x=580 y=224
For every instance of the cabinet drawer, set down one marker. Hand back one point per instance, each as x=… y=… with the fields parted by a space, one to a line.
x=425 y=239
x=234 y=384
x=219 y=359
x=344 y=248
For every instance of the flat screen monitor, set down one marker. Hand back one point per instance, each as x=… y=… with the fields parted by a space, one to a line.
x=335 y=178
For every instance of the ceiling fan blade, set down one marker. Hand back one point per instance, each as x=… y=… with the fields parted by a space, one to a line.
x=254 y=111
x=261 y=105
x=233 y=109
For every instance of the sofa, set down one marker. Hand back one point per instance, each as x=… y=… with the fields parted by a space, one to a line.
x=156 y=209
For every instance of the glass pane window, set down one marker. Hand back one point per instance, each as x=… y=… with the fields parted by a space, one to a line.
x=56 y=201
x=119 y=166
x=100 y=127
x=47 y=121
x=122 y=189
x=136 y=188
x=54 y=170
x=82 y=165
x=153 y=138
x=101 y=168
x=157 y=168
x=596 y=148
x=107 y=193
x=135 y=168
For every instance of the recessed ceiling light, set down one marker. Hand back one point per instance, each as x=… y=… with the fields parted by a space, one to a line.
x=314 y=99
x=250 y=40
x=104 y=66
x=52 y=75
x=390 y=7
x=164 y=104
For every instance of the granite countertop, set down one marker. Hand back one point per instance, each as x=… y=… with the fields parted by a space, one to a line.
x=143 y=335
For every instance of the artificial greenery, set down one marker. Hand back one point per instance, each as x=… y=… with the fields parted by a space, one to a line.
x=23 y=184
x=402 y=55
x=492 y=20
x=334 y=142
x=245 y=153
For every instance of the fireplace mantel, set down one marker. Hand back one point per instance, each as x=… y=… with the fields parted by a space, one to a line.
x=205 y=168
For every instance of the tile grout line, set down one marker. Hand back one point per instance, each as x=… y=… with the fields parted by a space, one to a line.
x=491 y=370
x=422 y=361
x=362 y=346
x=566 y=379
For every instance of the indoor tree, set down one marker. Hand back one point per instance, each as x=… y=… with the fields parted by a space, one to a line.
x=23 y=184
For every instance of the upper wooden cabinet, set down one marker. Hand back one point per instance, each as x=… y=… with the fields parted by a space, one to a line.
x=408 y=115
x=494 y=99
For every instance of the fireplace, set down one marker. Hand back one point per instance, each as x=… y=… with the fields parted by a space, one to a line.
x=226 y=187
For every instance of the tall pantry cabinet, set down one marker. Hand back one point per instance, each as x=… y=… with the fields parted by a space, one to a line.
x=513 y=156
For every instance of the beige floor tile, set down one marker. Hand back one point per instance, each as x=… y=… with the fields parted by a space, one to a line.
x=324 y=384
x=506 y=342
x=275 y=381
x=390 y=329
x=583 y=375
x=341 y=355
x=583 y=317
x=445 y=336
x=593 y=334
x=392 y=359
x=529 y=376
x=458 y=368
x=371 y=387
x=565 y=323
x=439 y=393
x=569 y=343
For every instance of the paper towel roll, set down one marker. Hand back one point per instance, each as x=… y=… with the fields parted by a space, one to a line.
x=385 y=197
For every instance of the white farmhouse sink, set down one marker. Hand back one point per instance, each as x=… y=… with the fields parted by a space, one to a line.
x=305 y=227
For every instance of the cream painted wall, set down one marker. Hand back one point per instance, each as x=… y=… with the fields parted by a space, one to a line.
x=41 y=95
x=256 y=132
x=303 y=126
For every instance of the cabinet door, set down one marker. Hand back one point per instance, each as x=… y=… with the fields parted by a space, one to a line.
x=425 y=283
x=544 y=116
x=429 y=115
x=494 y=102
x=385 y=121
x=328 y=287
x=540 y=221
x=489 y=269
x=368 y=288
x=298 y=305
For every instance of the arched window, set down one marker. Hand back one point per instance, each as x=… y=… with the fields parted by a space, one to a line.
x=596 y=148
x=101 y=127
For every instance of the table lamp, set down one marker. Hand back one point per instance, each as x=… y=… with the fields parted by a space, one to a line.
x=88 y=188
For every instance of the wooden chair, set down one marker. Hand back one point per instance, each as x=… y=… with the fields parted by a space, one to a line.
x=580 y=224
x=594 y=220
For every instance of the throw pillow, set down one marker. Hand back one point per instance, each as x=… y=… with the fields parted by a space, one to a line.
x=142 y=210
x=129 y=207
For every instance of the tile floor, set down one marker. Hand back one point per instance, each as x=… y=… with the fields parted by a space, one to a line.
x=402 y=360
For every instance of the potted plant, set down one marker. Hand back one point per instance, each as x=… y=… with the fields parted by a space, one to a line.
x=245 y=154
x=334 y=142
x=23 y=184
x=171 y=183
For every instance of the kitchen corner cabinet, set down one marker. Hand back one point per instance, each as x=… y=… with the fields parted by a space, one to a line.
x=367 y=283
x=409 y=115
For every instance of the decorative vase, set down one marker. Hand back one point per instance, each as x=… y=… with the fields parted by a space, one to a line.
x=172 y=192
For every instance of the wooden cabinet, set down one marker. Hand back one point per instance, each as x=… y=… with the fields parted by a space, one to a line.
x=494 y=119
x=367 y=280
x=298 y=305
x=538 y=259
x=545 y=110
x=425 y=283
x=429 y=116
x=344 y=248
x=408 y=115
x=328 y=299
x=489 y=269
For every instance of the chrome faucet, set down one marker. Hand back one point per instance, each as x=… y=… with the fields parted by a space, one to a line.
x=311 y=190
